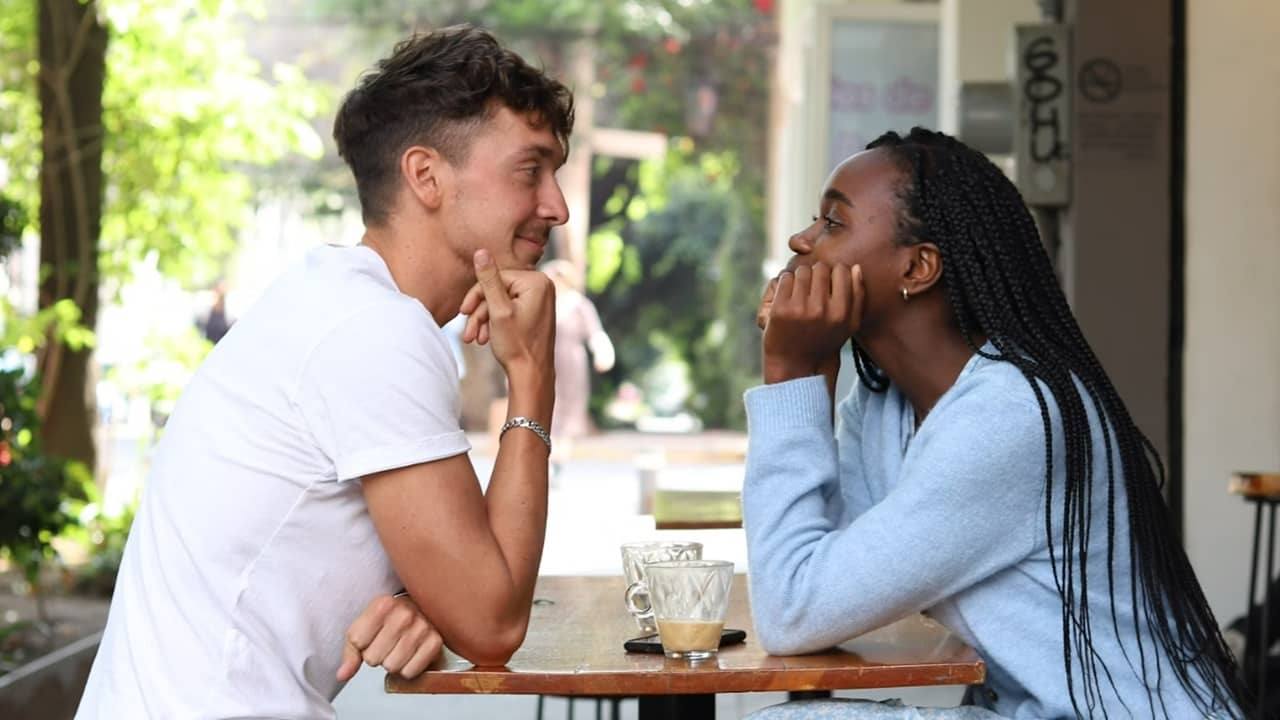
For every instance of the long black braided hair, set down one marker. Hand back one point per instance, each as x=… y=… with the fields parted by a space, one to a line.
x=1000 y=285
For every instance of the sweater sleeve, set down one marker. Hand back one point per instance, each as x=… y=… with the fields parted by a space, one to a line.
x=967 y=504
x=855 y=495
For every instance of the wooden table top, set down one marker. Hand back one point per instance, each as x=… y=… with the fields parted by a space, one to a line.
x=578 y=625
x=697 y=509
x=1256 y=484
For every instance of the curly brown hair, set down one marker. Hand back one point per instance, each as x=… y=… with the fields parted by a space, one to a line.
x=437 y=89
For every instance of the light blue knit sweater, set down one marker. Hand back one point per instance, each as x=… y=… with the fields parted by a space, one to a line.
x=849 y=533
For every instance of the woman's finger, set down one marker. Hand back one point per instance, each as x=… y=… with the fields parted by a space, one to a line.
x=800 y=292
x=841 y=294
x=819 y=287
x=786 y=284
x=766 y=303
x=858 y=296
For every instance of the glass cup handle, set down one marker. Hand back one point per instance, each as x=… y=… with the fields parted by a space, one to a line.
x=638 y=600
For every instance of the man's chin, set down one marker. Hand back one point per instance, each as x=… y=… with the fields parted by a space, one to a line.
x=527 y=260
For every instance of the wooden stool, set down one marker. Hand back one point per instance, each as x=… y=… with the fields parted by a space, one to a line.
x=1260 y=489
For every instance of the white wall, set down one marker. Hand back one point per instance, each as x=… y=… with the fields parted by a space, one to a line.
x=798 y=166
x=1232 y=371
x=975 y=42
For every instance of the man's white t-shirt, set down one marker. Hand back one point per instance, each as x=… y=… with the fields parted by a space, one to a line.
x=253 y=550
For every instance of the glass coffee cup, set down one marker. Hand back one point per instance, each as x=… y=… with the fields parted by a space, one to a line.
x=690 y=600
x=635 y=557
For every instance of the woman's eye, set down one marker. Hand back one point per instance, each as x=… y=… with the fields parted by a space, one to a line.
x=831 y=223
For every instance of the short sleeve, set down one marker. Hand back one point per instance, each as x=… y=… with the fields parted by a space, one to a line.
x=380 y=391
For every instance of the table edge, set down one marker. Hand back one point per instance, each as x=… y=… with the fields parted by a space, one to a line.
x=733 y=680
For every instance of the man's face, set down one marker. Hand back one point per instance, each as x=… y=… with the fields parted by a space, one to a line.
x=505 y=197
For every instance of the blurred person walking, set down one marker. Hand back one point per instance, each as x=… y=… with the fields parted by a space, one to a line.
x=578 y=330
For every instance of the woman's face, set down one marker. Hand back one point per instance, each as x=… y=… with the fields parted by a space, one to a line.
x=856 y=224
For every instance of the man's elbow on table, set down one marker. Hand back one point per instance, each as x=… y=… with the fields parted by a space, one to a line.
x=490 y=644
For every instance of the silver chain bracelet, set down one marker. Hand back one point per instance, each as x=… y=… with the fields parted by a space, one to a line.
x=524 y=422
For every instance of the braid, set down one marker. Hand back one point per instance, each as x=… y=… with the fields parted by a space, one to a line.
x=1000 y=284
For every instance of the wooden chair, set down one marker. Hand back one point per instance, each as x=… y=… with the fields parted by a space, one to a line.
x=1263 y=490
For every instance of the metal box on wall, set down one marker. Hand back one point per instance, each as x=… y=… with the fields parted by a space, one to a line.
x=1042 y=97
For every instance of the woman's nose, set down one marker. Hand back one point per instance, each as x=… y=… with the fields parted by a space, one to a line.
x=800 y=243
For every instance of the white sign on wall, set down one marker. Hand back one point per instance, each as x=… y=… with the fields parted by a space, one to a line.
x=884 y=76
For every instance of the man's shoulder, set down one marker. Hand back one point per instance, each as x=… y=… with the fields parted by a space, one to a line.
x=342 y=275
x=344 y=289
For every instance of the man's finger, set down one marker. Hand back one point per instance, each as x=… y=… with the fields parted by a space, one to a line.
x=495 y=292
x=393 y=628
x=427 y=652
x=478 y=318
x=473 y=298
x=403 y=652
x=365 y=627
x=350 y=662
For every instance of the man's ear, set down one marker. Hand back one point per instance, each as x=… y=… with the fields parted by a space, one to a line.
x=925 y=269
x=425 y=173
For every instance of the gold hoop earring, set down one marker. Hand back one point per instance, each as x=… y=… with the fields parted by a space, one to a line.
x=905 y=295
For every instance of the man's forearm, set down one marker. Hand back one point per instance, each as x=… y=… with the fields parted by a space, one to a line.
x=517 y=496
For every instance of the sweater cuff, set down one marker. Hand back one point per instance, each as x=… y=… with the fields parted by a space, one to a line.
x=802 y=402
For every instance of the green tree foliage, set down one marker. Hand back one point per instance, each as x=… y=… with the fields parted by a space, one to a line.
x=35 y=489
x=704 y=81
x=188 y=114
x=675 y=269
x=185 y=114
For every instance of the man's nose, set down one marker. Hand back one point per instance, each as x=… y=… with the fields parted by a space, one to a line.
x=553 y=207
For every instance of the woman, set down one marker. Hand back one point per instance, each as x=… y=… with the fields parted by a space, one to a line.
x=984 y=470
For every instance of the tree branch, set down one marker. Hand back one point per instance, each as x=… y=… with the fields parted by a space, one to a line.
x=58 y=79
x=87 y=22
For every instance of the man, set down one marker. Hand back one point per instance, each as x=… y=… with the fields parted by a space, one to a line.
x=315 y=464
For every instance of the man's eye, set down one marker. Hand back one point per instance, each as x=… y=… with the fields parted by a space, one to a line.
x=831 y=223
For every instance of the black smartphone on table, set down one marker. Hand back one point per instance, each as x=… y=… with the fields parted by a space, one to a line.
x=651 y=643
